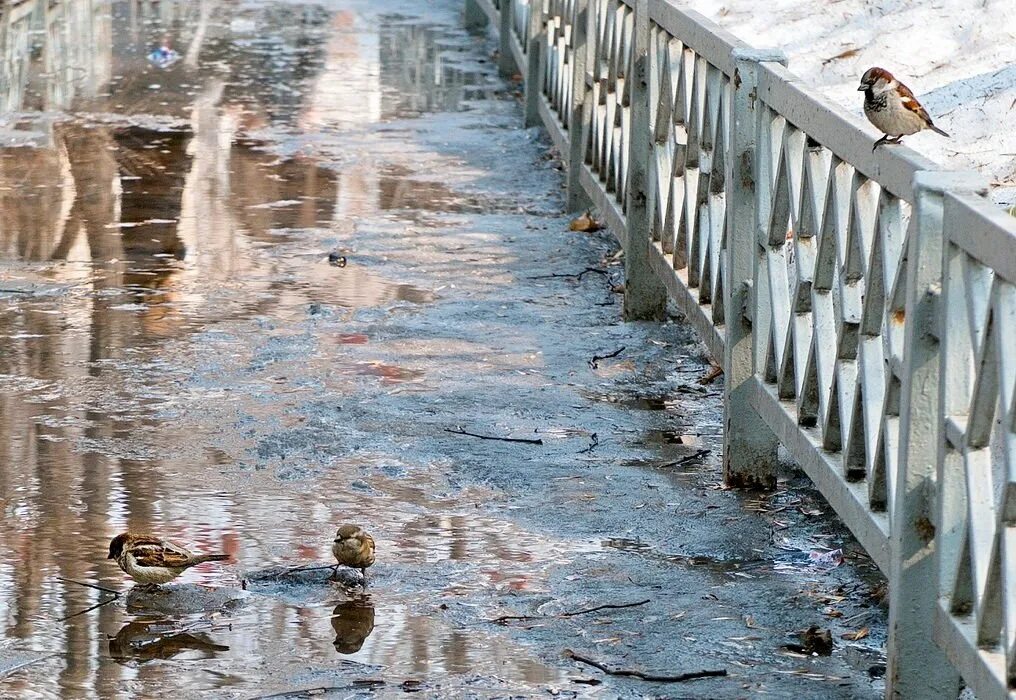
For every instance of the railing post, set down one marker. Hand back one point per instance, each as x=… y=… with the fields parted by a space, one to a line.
x=474 y=18
x=505 y=60
x=580 y=114
x=917 y=667
x=645 y=297
x=536 y=61
x=750 y=447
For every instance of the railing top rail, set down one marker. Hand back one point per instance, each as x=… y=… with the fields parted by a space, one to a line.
x=842 y=133
x=800 y=103
x=983 y=231
x=706 y=38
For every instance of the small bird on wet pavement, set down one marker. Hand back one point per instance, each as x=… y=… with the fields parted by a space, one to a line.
x=152 y=561
x=354 y=548
x=892 y=107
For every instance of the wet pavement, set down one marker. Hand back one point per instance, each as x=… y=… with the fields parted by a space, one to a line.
x=262 y=266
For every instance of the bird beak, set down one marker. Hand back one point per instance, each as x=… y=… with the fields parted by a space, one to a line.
x=862 y=87
x=337 y=539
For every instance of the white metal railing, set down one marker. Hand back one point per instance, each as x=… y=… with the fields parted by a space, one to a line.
x=976 y=461
x=863 y=304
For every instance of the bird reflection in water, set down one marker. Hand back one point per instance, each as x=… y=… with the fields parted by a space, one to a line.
x=353 y=621
x=143 y=641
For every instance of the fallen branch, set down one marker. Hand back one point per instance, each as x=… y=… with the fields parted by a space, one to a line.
x=90 y=609
x=593 y=363
x=575 y=275
x=527 y=441
x=116 y=595
x=288 y=571
x=608 y=606
x=310 y=692
x=699 y=454
x=90 y=585
x=644 y=676
x=5 y=290
x=711 y=376
x=308 y=567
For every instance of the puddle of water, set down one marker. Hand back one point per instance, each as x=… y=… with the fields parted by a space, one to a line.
x=148 y=202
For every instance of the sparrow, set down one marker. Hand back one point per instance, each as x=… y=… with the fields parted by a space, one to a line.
x=153 y=561
x=354 y=548
x=892 y=107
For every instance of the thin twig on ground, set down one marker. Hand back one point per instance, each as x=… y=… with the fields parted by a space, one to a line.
x=308 y=567
x=594 y=441
x=310 y=692
x=575 y=275
x=711 y=376
x=4 y=290
x=698 y=454
x=594 y=362
x=681 y=677
x=90 y=585
x=116 y=595
x=90 y=609
x=289 y=571
x=608 y=606
x=527 y=441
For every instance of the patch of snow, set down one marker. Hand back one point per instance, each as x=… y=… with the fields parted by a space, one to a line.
x=958 y=56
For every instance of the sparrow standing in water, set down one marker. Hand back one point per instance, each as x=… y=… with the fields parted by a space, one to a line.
x=892 y=107
x=153 y=561
x=354 y=548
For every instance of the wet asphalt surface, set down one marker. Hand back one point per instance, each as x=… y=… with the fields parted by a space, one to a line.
x=263 y=283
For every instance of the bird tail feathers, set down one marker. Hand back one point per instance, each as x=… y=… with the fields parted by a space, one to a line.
x=202 y=558
x=937 y=130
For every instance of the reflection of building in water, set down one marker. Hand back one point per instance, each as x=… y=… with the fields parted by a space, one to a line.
x=418 y=73
x=53 y=52
x=15 y=47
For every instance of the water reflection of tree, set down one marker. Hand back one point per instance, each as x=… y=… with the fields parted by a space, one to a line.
x=158 y=214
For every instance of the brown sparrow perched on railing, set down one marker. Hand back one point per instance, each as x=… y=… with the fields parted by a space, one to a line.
x=354 y=548
x=153 y=561
x=892 y=107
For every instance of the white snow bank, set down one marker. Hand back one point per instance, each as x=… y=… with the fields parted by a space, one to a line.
x=958 y=56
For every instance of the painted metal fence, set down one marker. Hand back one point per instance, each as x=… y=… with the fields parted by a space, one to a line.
x=863 y=305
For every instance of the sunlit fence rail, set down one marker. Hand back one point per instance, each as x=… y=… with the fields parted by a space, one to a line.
x=863 y=305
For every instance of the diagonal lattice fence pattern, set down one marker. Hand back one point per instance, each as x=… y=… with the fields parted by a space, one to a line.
x=862 y=304
x=977 y=459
